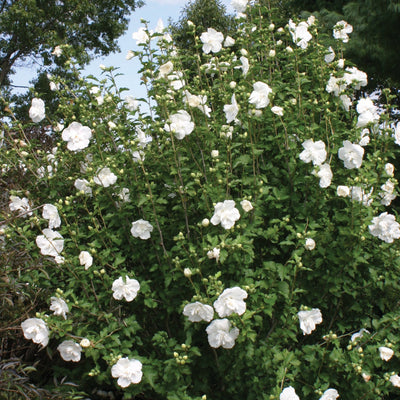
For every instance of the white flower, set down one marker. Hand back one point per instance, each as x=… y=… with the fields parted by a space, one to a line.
x=127 y=371
x=51 y=243
x=387 y=194
x=351 y=154
x=142 y=138
x=199 y=102
x=231 y=110
x=245 y=65
x=83 y=185
x=77 y=136
x=127 y=289
x=141 y=36
x=314 y=152
x=59 y=259
x=214 y=153
x=385 y=353
x=366 y=377
x=385 y=227
x=358 y=334
x=37 y=111
x=50 y=212
x=309 y=319
x=277 y=110
x=111 y=124
x=94 y=90
x=395 y=380
x=129 y=55
x=229 y=41
x=396 y=134
x=59 y=306
x=358 y=194
x=70 y=351
x=310 y=244
x=330 y=56
x=105 y=177
x=54 y=86
x=191 y=99
x=311 y=20
x=85 y=259
x=160 y=26
x=364 y=137
x=18 y=204
x=36 y=329
x=288 y=394
x=141 y=229
x=239 y=5
x=124 y=195
x=138 y=156
x=57 y=51
x=165 y=69
x=341 y=29
x=212 y=41
x=325 y=173
x=220 y=334
x=300 y=34
x=346 y=101
x=131 y=103
x=214 y=253
x=335 y=85
x=246 y=205
x=197 y=312
x=368 y=112
x=225 y=214
x=355 y=77
x=260 y=95
x=176 y=80
x=330 y=394
x=231 y=301
x=272 y=53
x=181 y=124
x=389 y=169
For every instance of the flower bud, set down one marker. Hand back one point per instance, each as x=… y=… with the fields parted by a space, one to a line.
x=187 y=272
x=205 y=222
x=85 y=342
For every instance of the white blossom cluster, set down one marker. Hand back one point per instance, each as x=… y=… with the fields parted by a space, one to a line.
x=220 y=333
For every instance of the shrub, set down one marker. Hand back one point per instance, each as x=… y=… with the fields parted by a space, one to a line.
x=230 y=236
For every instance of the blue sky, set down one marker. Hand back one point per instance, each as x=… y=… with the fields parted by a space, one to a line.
x=151 y=11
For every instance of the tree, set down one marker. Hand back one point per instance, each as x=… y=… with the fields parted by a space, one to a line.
x=204 y=14
x=33 y=28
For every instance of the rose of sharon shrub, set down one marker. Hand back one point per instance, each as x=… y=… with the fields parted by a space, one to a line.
x=263 y=118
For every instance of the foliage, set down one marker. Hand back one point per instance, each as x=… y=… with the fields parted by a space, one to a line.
x=190 y=206
x=33 y=28
x=373 y=46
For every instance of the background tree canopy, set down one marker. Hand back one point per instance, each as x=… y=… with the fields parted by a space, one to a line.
x=32 y=28
x=374 y=42
x=204 y=14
